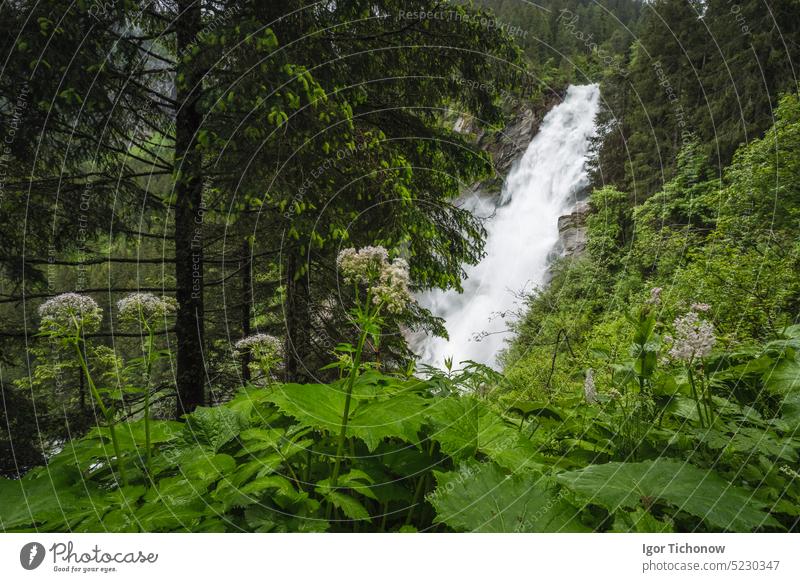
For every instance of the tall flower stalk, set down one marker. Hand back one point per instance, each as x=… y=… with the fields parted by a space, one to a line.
x=693 y=341
x=386 y=284
x=67 y=317
x=146 y=310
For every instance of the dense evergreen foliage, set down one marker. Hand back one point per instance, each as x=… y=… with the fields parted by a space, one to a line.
x=223 y=158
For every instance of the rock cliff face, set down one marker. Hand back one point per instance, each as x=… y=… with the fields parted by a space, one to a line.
x=508 y=145
x=572 y=231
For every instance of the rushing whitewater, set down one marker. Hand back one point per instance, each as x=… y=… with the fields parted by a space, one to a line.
x=522 y=230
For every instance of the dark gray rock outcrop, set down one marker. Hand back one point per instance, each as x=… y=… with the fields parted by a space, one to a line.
x=572 y=231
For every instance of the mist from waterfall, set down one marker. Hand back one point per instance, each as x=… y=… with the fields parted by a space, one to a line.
x=522 y=231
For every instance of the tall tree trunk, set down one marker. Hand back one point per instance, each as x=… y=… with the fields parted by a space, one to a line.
x=247 y=302
x=188 y=217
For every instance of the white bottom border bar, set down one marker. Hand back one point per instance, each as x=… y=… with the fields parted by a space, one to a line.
x=390 y=557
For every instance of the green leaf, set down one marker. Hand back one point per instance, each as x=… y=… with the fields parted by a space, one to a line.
x=639 y=521
x=175 y=491
x=480 y=497
x=790 y=411
x=265 y=519
x=784 y=378
x=282 y=484
x=465 y=426
x=205 y=468
x=131 y=435
x=156 y=516
x=793 y=331
x=456 y=422
x=212 y=427
x=55 y=497
x=356 y=479
x=118 y=520
x=400 y=416
x=700 y=492
x=350 y=506
x=317 y=405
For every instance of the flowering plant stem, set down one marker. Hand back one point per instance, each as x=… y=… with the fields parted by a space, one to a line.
x=366 y=319
x=696 y=396
x=702 y=398
x=345 y=415
x=147 y=371
x=109 y=417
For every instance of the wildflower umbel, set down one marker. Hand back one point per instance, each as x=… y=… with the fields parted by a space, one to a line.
x=363 y=266
x=589 y=389
x=260 y=345
x=389 y=281
x=655 y=296
x=694 y=338
x=145 y=307
x=392 y=288
x=71 y=311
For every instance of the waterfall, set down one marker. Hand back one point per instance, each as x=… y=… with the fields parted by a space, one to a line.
x=522 y=230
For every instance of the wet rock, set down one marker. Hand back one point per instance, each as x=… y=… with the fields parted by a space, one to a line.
x=507 y=145
x=572 y=231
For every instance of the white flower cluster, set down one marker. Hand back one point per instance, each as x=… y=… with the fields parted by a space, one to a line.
x=655 y=296
x=389 y=281
x=362 y=266
x=694 y=338
x=589 y=389
x=145 y=306
x=260 y=345
x=392 y=288
x=70 y=310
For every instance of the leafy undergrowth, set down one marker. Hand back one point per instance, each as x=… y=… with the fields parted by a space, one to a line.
x=423 y=455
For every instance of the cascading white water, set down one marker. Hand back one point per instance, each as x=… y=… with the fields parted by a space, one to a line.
x=522 y=230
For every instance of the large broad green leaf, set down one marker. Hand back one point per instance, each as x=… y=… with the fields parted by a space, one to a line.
x=400 y=416
x=480 y=497
x=699 y=492
x=639 y=521
x=175 y=492
x=792 y=332
x=464 y=426
x=784 y=378
x=790 y=412
x=456 y=425
x=165 y=517
x=749 y=441
x=212 y=427
x=372 y=420
x=317 y=405
x=205 y=468
x=43 y=496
